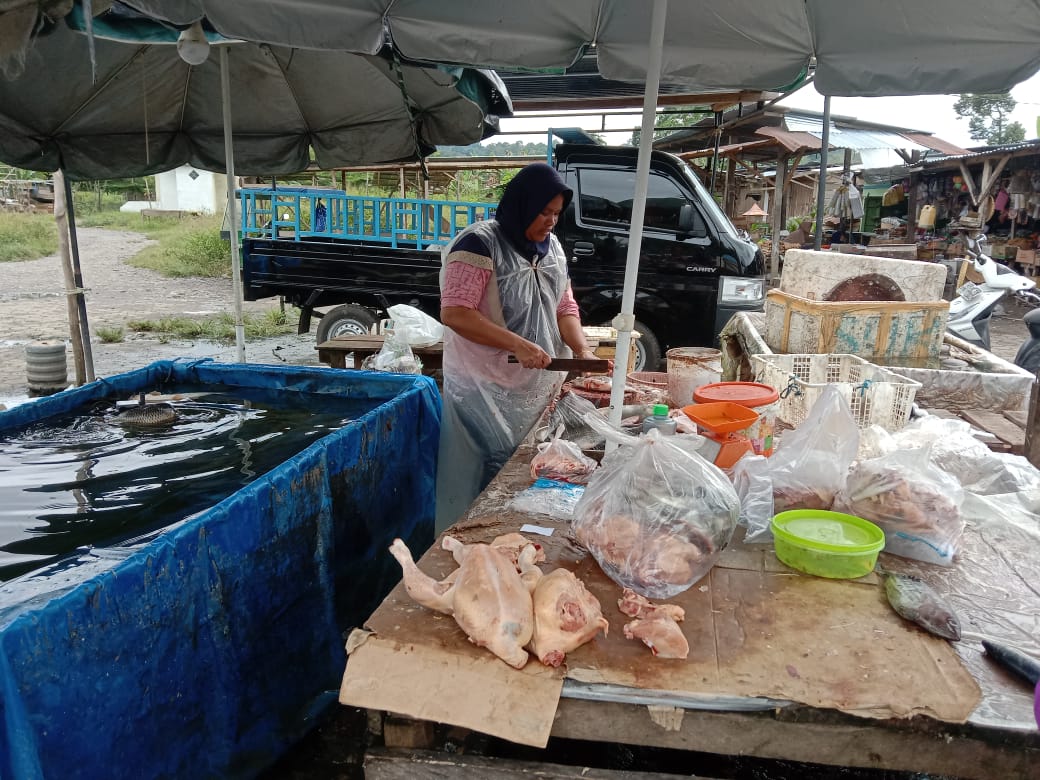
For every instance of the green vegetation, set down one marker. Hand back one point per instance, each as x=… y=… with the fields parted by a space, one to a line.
x=987 y=116
x=218 y=328
x=110 y=335
x=187 y=247
x=27 y=236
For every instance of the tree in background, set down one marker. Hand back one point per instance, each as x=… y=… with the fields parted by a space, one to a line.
x=987 y=116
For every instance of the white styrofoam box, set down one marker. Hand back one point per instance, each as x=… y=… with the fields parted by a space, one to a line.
x=813 y=275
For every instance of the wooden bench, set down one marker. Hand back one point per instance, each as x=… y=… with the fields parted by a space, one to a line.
x=334 y=352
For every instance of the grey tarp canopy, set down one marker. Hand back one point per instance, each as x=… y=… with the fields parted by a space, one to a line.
x=144 y=110
x=886 y=47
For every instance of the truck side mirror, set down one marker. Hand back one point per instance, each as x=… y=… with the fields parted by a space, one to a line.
x=686 y=218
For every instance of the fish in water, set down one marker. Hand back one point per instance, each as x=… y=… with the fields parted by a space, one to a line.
x=915 y=600
x=148 y=415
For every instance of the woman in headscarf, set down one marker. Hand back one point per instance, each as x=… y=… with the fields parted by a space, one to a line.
x=504 y=291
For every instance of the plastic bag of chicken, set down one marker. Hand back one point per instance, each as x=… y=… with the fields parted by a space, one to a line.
x=656 y=515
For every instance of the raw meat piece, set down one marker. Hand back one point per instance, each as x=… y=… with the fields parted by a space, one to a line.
x=566 y=616
x=661 y=634
x=655 y=625
x=488 y=597
x=634 y=605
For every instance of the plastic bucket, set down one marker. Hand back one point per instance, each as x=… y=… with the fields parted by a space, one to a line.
x=761 y=398
x=690 y=368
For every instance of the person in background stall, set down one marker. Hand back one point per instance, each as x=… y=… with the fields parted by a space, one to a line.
x=504 y=291
x=840 y=234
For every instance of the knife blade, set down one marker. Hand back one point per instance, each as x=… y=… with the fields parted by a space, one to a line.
x=596 y=365
x=1021 y=664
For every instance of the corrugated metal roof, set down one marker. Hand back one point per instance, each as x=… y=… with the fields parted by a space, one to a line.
x=793 y=140
x=850 y=138
x=999 y=151
x=938 y=144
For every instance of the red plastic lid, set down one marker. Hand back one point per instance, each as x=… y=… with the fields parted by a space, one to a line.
x=749 y=394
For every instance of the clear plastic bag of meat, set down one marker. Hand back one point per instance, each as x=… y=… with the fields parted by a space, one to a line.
x=562 y=460
x=954 y=449
x=656 y=515
x=754 y=486
x=915 y=503
x=809 y=465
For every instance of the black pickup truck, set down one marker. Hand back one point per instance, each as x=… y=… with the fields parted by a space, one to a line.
x=356 y=256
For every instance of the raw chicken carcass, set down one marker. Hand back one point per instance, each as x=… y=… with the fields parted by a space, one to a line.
x=489 y=599
x=566 y=616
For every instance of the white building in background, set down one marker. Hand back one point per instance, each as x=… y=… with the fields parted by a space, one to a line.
x=186 y=189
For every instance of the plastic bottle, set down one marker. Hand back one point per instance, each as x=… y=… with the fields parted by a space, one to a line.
x=660 y=420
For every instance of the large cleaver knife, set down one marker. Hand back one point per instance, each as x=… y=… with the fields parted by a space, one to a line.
x=595 y=365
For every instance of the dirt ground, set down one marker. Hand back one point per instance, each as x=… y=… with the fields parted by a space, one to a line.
x=32 y=308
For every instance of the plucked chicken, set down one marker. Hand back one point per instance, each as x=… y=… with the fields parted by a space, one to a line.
x=487 y=595
x=566 y=616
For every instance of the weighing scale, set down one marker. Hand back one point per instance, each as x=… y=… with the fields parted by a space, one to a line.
x=719 y=423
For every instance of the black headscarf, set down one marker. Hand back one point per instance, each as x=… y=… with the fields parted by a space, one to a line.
x=523 y=200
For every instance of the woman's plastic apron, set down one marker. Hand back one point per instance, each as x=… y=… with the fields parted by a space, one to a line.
x=490 y=404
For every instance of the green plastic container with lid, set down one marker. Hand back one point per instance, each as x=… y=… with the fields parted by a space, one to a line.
x=660 y=420
x=827 y=544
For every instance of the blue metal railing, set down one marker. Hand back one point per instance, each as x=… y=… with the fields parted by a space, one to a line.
x=297 y=213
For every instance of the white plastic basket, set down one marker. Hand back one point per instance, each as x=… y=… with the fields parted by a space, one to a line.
x=876 y=395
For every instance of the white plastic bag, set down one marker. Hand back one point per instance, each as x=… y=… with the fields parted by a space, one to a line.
x=416 y=327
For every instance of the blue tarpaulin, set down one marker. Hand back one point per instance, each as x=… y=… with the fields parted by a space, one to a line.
x=207 y=651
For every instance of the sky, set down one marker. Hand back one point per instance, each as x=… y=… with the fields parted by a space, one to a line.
x=929 y=113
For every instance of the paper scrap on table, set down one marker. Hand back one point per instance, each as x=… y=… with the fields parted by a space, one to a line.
x=527 y=528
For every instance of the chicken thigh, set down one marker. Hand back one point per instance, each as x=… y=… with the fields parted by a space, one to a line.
x=655 y=625
x=566 y=616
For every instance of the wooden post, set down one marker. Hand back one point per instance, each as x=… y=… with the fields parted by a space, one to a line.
x=61 y=217
x=1032 y=445
x=776 y=210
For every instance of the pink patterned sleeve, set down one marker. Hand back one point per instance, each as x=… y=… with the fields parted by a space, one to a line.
x=567 y=304
x=464 y=285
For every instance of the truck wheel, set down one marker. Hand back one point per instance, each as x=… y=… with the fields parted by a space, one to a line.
x=346 y=320
x=648 y=348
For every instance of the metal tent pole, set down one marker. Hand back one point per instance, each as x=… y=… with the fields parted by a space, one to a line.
x=229 y=165
x=821 y=188
x=625 y=320
x=77 y=277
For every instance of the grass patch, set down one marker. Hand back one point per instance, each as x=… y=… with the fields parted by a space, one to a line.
x=218 y=328
x=27 y=236
x=110 y=335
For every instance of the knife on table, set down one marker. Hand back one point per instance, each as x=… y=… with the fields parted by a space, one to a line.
x=1022 y=665
x=597 y=365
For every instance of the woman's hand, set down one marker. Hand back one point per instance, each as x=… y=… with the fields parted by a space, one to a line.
x=531 y=355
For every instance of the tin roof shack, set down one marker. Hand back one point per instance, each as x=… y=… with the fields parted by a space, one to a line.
x=747 y=146
x=1000 y=185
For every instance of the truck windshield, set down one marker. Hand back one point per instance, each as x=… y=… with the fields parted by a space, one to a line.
x=707 y=202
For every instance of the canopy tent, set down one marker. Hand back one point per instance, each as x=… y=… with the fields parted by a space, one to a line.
x=144 y=110
x=120 y=101
x=889 y=47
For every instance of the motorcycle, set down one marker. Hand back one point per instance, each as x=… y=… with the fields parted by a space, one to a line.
x=973 y=307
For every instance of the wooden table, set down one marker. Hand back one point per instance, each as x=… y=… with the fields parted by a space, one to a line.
x=748 y=614
x=334 y=352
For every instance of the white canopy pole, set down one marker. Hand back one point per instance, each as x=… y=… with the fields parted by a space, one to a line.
x=229 y=164
x=625 y=321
